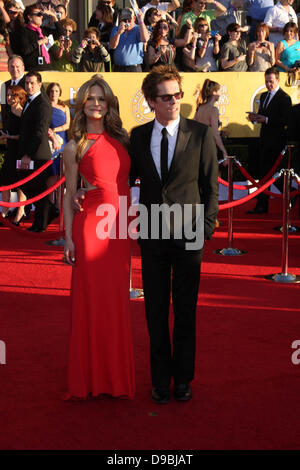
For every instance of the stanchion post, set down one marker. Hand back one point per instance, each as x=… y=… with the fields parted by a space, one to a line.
x=284 y=276
x=61 y=192
x=230 y=251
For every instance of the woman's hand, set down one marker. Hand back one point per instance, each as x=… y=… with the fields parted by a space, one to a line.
x=241 y=58
x=69 y=253
x=218 y=37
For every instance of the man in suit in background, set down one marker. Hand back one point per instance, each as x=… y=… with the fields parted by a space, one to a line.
x=17 y=72
x=274 y=109
x=176 y=162
x=34 y=146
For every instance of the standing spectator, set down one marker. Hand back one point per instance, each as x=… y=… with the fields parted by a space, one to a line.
x=257 y=10
x=127 y=40
x=33 y=40
x=288 y=50
x=273 y=114
x=277 y=17
x=261 y=53
x=207 y=113
x=62 y=50
x=60 y=124
x=207 y=48
x=161 y=50
x=16 y=99
x=14 y=27
x=162 y=6
x=61 y=12
x=104 y=16
x=198 y=9
x=152 y=16
x=94 y=22
x=234 y=52
x=34 y=146
x=91 y=55
x=17 y=73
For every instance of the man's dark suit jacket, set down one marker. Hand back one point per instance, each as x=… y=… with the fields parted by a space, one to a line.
x=274 y=133
x=35 y=122
x=193 y=175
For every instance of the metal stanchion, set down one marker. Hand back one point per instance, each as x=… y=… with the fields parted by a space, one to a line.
x=230 y=251
x=61 y=192
x=291 y=228
x=284 y=276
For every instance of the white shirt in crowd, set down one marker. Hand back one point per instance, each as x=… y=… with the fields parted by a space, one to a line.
x=278 y=17
x=156 y=137
x=162 y=6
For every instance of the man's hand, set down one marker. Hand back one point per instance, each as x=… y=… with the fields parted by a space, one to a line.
x=260 y=119
x=78 y=200
x=25 y=162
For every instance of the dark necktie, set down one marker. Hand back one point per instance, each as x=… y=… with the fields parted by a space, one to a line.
x=164 y=155
x=266 y=102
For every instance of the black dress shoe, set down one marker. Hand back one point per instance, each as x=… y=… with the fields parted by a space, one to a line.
x=183 y=392
x=258 y=210
x=160 y=396
x=36 y=228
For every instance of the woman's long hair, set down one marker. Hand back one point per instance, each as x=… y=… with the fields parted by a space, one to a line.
x=204 y=94
x=112 y=120
x=156 y=35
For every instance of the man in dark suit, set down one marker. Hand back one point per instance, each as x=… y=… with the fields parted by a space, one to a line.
x=274 y=109
x=34 y=146
x=17 y=72
x=175 y=160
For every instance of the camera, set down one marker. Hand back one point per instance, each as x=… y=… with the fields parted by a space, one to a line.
x=58 y=14
x=66 y=38
x=126 y=25
x=297 y=64
x=40 y=60
x=262 y=44
x=214 y=33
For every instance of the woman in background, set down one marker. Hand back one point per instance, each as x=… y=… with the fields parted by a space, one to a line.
x=261 y=53
x=16 y=99
x=288 y=50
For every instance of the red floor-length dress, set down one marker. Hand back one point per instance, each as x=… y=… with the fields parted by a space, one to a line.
x=101 y=353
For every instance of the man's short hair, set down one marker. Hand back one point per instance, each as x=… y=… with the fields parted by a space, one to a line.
x=92 y=30
x=15 y=56
x=157 y=75
x=272 y=70
x=34 y=74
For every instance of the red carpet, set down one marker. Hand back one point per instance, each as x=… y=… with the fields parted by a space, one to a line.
x=246 y=390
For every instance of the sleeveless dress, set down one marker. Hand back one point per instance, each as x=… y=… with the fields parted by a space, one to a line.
x=58 y=118
x=290 y=54
x=101 y=353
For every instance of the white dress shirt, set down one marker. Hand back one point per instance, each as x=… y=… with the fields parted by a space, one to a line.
x=156 y=138
x=16 y=82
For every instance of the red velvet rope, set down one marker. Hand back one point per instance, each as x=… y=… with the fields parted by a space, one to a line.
x=34 y=199
x=40 y=235
x=269 y=193
x=235 y=186
x=241 y=201
x=28 y=178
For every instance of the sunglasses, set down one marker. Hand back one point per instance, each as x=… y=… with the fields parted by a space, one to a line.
x=168 y=97
x=12 y=12
x=37 y=14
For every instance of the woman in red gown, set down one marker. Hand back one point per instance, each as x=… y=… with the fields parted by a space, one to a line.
x=101 y=354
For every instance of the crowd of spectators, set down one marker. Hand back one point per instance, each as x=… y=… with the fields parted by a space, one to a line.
x=211 y=35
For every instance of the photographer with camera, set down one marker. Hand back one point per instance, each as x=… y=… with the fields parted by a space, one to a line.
x=287 y=52
x=62 y=50
x=91 y=55
x=207 y=46
x=33 y=41
x=127 y=40
x=261 y=53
